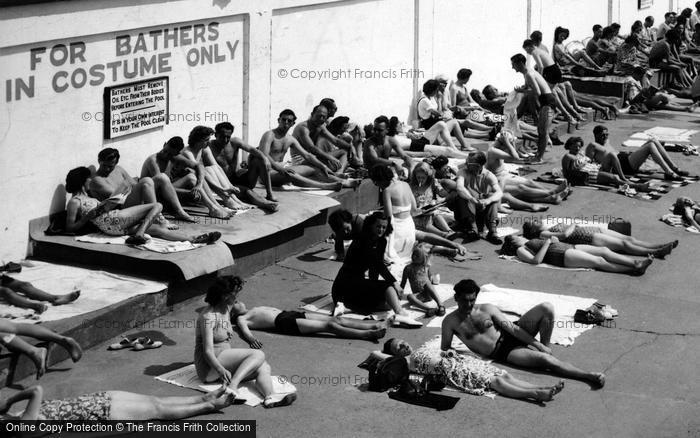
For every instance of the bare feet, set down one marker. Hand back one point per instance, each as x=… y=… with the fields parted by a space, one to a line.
x=220 y=213
x=597 y=379
x=271 y=198
x=642 y=265
x=375 y=335
x=185 y=217
x=40 y=308
x=274 y=401
x=559 y=387
x=67 y=298
x=351 y=183
x=536 y=208
x=544 y=395
x=270 y=207
x=74 y=349
x=213 y=395
x=38 y=356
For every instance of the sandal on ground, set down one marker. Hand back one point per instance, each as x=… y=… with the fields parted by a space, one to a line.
x=136 y=240
x=284 y=401
x=146 y=344
x=458 y=258
x=124 y=343
x=11 y=267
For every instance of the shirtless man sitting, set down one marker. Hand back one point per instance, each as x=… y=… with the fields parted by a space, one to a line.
x=111 y=180
x=276 y=142
x=187 y=176
x=629 y=163
x=486 y=331
x=377 y=149
x=310 y=132
x=226 y=151
x=295 y=323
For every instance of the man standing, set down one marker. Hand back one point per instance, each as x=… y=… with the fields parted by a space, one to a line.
x=477 y=200
x=486 y=331
x=537 y=85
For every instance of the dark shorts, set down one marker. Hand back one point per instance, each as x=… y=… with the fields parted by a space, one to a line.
x=548 y=100
x=552 y=74
x=428 y=123
x=504 y=345
x=286 y=322
x=418 y=145
x=624 y=158
x=5 y=280
x=242 y=180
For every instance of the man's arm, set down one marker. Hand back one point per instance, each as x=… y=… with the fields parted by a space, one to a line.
x=100 y=188
x=150 y=167
x=304 y=138
x=242 y=322
x=225 y=157
x=371 y=150
x=191 y=163
x=309 y=157
x=531 y=83
x=502 y=323
x=447 y=333
x=462 y=191
x=335 y=141
x=496 y=192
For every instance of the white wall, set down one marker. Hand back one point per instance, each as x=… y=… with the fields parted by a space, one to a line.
x=43 y=136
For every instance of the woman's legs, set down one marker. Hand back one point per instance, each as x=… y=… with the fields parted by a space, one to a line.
x=536 y=359
x=42 y=333
x=634 y=240
x=138 y=218
x=624 y=246
x=37 y=355
x=455 y=129
x=577 y=258
x=15 y=299
x=511 y=389
x=247 y=364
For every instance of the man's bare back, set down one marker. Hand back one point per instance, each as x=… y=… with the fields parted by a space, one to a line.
x=537 y=83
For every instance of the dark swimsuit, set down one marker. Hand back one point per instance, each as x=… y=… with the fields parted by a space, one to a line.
x=552 y=74
x=555 y=252
x=286 y=322
x=504 y=345
x=548 y=100
x=624 y=158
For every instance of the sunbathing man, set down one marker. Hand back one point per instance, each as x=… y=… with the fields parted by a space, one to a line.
x=343 y=141
x=198 y=151
x=377 y=149
x=275 y=144
x=226 y=150
x=535 y=83
x=24 y=294
x=187 y=176
x=111 y=179
x=295 y=323
x=629 y=163
x=8 y=337
x=308 y=134
x=459 y=94
x=486 y=330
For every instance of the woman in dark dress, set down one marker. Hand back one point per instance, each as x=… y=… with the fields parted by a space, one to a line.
x=367 y=254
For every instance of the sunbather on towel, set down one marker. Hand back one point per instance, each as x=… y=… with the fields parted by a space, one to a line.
x=465 y=372
x=8 y=337
x=293 y=323
x=689 y=211
x=134 y=221
x=597 y=235
x=564 y=255
x=485 y=330
x=115 y=405
x=24 y=294
x=629 y=163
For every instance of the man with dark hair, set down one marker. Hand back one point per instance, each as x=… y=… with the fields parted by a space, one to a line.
x=592 y=48
x=460 y=99
x=668 y=24
x=487 y=331
x=537 y=85
x=308 y=134
x=226 y=150
x=695 y=16
x=477 y=201
x=649 y=31
x=112 y=180
x=330 y=106
x=345 y=226
x=186 y=175
x=377 y=149
x=662 y=56
x=276 y=142
x=536 y=37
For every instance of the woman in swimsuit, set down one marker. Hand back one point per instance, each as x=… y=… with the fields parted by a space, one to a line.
x=564 y=255
x=689 y=210
x=466 y=372
x=597 y=235
x=215 y=360
x=134 y=221
x=400 y=205
x=427 y=193
x=115 y=405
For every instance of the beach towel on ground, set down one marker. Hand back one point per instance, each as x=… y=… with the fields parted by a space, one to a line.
x=676 y=220
x=186 y=377
x=541 y=265
x=99 y=289
x=515 y=302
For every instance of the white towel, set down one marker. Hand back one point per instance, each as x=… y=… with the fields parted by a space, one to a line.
x=154 y=244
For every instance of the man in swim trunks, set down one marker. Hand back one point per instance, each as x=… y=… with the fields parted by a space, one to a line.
x=486 y=331
x=536 y=84
x=377 y=149
x=226 y=150
x=308 y=134
x=295 y=323
x=111 y=179
x=276 y=142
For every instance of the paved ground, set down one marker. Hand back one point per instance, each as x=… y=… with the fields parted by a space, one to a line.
x=650 y=357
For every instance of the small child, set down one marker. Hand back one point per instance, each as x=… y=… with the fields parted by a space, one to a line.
x=419 y=277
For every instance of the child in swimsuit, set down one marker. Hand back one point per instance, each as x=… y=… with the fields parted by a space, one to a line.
x=419 y=277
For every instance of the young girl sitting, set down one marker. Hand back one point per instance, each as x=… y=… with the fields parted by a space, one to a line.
x=422 y=291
